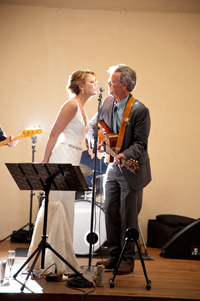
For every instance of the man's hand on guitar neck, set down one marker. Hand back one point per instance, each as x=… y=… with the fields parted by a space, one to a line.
x=118 y=160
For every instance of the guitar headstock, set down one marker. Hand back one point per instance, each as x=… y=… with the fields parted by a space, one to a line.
x=30 y=133
x=132 y=165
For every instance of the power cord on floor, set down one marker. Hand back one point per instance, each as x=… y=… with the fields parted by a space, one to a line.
x=78 y=283
x=25 y=271
x=43 y=273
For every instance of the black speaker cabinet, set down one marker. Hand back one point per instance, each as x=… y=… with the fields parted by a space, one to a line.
x=185 y=244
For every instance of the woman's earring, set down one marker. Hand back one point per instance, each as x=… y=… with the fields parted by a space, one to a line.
x=83 y=90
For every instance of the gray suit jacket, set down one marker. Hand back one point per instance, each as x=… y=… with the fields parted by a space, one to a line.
x=135 y=140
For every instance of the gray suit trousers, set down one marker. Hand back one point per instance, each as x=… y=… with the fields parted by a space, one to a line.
x=122 y=206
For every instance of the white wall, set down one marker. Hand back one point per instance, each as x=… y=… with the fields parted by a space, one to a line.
x=41 y=47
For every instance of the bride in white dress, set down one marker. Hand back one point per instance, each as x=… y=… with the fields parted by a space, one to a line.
x=64 y=145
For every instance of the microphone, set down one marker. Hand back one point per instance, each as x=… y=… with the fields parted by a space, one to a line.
x=101 y=89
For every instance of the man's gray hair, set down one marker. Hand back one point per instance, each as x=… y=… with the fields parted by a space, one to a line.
x=127 y=75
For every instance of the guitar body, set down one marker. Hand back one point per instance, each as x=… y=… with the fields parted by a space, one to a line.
x=109 y=140
x=106 y=135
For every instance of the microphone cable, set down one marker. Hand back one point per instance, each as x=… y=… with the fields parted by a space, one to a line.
x=78 y=283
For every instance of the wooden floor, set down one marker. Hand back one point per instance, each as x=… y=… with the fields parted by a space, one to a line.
x=171 y=279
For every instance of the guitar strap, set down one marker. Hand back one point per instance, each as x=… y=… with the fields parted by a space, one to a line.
x=124 y=124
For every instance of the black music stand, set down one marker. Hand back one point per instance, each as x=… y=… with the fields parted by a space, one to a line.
x=46 y=176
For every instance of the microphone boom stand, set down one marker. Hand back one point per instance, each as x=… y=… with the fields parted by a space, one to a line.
x=101 y=89
x=31 y=226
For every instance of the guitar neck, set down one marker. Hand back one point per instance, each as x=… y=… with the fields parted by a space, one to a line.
x=110 y=151
x=6 y=141
x=25 y=133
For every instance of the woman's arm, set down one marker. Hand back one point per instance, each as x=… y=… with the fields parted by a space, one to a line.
x=66 y=114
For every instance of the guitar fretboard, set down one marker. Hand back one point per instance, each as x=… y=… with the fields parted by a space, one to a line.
x=110 y=151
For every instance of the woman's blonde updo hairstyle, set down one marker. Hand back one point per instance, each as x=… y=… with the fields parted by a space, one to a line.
x=78 y=78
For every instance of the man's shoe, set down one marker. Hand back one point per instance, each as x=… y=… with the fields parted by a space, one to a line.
x=125 y=268
x=110 y=263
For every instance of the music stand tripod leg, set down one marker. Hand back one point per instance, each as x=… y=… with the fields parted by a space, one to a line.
x=25 y=263
x=66 y=262
x=39 y=249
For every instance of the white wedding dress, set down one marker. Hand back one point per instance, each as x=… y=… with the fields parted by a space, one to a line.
x=60 y=221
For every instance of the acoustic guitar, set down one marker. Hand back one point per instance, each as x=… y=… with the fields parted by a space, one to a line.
x=26 y=133
x=109 y=140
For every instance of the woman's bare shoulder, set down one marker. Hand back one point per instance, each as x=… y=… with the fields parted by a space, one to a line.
x=70 y=104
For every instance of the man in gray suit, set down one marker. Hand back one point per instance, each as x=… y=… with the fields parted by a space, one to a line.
x=123 y=188
x=4 y=137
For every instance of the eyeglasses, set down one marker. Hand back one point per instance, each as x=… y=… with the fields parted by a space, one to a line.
x=111 y=82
